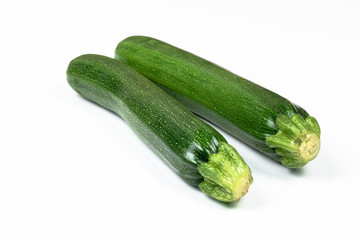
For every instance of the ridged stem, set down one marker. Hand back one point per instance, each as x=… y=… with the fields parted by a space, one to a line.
x=297 y=141
x=226 y=176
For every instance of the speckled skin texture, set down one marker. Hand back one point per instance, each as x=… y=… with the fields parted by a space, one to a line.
x=174 y=133
x=242 y=108
x=168 y=128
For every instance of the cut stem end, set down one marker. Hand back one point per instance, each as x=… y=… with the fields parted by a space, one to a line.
x=226 y=176
x=297 y=141
x=310 y=147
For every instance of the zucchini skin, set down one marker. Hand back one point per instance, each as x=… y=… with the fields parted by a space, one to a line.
x=175 y=134
x=239 y=106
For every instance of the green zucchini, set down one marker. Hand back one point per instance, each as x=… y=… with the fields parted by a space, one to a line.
x=261 y=118
x=192 y=148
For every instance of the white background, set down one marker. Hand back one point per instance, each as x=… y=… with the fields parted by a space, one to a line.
x=72 y=170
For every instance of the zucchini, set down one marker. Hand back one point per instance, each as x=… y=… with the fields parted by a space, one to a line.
x=261 y=118
x=192 y=148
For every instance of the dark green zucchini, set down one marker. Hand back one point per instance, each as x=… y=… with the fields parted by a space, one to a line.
x=195 y=150
x=261 y=118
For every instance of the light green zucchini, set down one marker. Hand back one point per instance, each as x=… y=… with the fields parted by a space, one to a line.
x=259 y=117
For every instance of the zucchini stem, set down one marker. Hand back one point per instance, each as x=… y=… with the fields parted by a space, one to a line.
x=297 y=141
x=226 y=176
